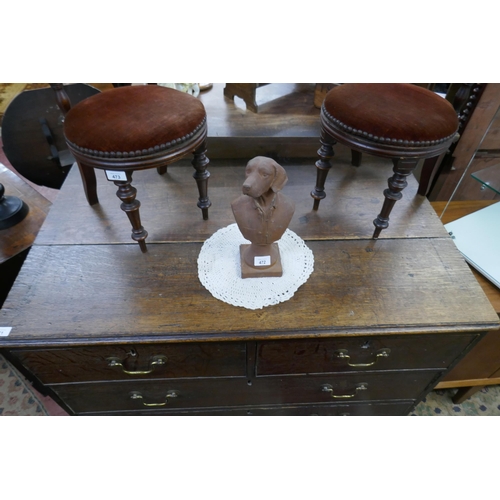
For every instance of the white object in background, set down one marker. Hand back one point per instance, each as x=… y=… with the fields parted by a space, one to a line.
x=477 y=236
x=188 y=88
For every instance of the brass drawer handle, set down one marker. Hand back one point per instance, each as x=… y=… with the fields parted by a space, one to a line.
x=344 y=354
x=138 y=395
x=362 y=386
x=155 y=361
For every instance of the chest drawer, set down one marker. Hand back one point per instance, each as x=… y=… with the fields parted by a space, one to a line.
x=359 y=409
x=122 y=362
x=359 y=354
x=153 y=395
x=342 y=387
x=211 y=393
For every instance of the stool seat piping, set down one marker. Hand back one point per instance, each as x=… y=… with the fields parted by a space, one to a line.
x=138 y=153
x=382 y=140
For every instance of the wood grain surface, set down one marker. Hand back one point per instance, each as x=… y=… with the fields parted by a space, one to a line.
x=112 y=293
x=354 y=197
x=85 y=281
x=285 y=109
x=457 y=210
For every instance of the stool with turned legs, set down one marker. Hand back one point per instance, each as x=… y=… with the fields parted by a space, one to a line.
x=399 y=121
x=135 y=128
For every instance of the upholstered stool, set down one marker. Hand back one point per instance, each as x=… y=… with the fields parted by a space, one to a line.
x=134 y=128
x=399 y=121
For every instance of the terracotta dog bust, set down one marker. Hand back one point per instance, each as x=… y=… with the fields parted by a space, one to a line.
x=262 y=214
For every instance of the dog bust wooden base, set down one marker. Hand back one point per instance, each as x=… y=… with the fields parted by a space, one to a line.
x=263 y=215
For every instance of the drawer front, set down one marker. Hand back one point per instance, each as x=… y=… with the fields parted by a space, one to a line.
x=343 y=388
x=359 y=354
x=210 y=393
x=123 y=362
x=353 y=410
x=153 y=395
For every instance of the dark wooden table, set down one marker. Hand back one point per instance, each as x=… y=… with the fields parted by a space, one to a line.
x=16 y=241
x=107 y=330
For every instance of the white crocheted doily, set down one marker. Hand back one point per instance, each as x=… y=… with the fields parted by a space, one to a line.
x=219 y=270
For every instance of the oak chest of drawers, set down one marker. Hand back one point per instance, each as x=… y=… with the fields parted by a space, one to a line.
x=316 y=375
x=105 y=329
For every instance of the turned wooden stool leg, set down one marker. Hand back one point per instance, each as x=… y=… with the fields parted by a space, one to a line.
x=89 y=183
x=323 y=166
x=162 y=170
x=62 y=97
x=403 y=167
x=87 y=173
x=126 y=192
x=200 y=162
x=426 y=175
x=356 y=158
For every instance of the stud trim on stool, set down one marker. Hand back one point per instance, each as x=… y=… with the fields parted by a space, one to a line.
x=134 y=154
x=382 y=140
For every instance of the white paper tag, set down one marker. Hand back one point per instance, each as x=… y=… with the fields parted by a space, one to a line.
x=5 y=330
x=116 y=176
x=262 y=260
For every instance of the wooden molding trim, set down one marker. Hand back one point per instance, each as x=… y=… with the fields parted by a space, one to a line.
x=453 y=384
x=478 y=126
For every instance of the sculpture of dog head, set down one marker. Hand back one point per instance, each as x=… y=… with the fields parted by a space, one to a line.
x=263 y=174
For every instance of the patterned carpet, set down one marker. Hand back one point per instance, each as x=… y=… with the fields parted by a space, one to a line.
x=17 y=397
x=485 y=402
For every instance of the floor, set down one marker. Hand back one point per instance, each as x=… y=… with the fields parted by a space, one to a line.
x=438 y=403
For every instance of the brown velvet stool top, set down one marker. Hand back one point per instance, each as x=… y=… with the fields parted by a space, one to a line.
x=391 y=113
x=133 y=121
x=133 y=128
x=400 y=121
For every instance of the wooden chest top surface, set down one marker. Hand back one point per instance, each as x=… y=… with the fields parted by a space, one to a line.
x=170 y=214
x=86 y=282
